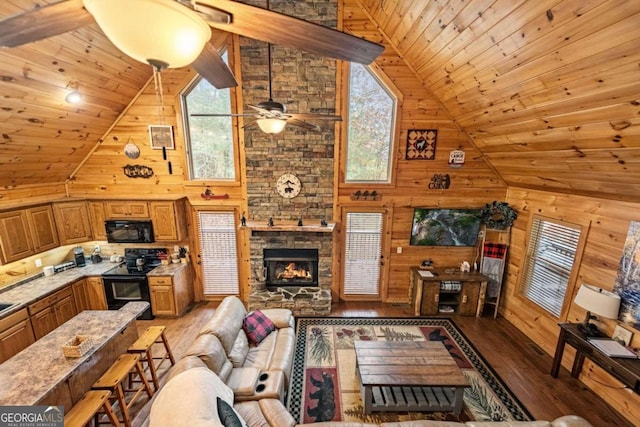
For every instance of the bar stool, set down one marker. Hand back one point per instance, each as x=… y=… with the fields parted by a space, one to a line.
x=114 y=382
x=92 y=404
x=143 y=346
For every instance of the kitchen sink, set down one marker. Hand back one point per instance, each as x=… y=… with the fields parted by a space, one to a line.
x=4 y=306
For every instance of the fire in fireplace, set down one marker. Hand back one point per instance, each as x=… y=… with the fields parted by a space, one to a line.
x=291 y=267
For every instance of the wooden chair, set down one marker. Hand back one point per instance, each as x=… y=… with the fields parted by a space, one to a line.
x=115 y=381
x=91 y=406
x=143 y=346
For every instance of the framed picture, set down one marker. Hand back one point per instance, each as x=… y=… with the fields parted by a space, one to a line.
x=622 y=335
x=421 y=144
x=161 y=137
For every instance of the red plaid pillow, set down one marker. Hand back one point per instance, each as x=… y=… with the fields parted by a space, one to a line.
x=257 y=326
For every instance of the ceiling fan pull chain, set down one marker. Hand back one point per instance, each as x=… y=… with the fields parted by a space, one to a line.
x=157 y=81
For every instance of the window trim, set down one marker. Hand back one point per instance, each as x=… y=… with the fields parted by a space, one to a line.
x=572 y=282
x=344 y=131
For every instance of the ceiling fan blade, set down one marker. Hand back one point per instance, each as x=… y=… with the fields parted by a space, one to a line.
x=210 y=65
x=301 y=124
x=43 y=22
x=220 y=115
x=303 y=116
x=276 y=28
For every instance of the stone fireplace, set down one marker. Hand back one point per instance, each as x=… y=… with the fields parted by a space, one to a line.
x=305 y=83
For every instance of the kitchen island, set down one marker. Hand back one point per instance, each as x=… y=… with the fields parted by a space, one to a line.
x=41 y=375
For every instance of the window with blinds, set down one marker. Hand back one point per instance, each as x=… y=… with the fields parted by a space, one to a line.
x=549 y=262
x=218 y=253
x=362 y=254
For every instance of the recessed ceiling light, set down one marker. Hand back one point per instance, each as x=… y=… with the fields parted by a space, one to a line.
x=73 y=97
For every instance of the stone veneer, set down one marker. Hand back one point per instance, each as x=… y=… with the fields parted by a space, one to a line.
x=302 y=301
x=305 y=83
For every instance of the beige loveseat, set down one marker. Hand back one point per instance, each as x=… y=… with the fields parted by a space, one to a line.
x=221 y=369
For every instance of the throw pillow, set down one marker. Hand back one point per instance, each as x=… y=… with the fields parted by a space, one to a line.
x=257 y=326
x=227 y=414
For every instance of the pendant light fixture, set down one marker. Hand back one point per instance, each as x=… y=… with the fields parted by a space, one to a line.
x=162 y=33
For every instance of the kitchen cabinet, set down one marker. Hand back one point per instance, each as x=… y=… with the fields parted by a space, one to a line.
x=16 y=334
x=126 y=209
x=15 y=236
x=96 y=297
x=72 y=221
x=42 y=227
x=171 y=295
x=97 y=217
x=52 y=311
x=80 y=295
x=169 y=220
x=28 y=231
x=447 y=292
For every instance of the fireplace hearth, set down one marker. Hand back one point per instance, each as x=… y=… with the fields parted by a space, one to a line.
x=287 y=267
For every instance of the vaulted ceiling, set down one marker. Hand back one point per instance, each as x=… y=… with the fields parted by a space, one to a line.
x=548 y=90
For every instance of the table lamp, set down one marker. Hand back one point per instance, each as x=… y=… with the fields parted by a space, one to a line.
x=598 y=301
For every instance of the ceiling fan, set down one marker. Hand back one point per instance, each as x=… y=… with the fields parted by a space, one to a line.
x=121 y=20
x=271 y=117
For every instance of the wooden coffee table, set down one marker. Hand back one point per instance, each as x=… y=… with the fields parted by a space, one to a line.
x=416 y=376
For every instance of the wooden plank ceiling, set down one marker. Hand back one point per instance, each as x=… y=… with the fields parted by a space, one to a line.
x=548 y=90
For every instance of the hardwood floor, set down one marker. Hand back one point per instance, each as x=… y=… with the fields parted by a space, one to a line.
x=522 y=365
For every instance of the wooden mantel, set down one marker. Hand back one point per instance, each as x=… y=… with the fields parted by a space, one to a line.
x=308 y=227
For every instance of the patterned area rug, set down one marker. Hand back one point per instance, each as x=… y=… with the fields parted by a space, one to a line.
x=324 y=386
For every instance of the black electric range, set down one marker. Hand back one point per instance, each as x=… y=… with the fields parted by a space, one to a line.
x=128 y=281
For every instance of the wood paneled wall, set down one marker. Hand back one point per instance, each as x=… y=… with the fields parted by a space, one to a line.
x=472 y=186
x=607 y=225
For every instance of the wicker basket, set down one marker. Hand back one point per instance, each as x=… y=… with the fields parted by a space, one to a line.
x=77 y=346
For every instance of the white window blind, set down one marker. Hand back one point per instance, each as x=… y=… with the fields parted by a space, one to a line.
x=550 y=256
x=219 y=255
x=363 y=240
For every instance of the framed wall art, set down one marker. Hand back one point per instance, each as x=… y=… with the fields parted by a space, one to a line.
x=161 y=137
x=421 y=144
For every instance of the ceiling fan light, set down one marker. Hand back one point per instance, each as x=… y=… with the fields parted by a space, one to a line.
x=270 y=125
x=158 y=30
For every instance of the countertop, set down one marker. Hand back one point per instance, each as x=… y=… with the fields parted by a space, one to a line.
x=167 y=270
x=29 y=375
x=24 y=294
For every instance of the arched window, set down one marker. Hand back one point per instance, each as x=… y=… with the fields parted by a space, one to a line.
x=371 y=126
x=209 y=139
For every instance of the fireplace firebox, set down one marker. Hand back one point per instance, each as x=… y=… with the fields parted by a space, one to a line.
x=291 y=267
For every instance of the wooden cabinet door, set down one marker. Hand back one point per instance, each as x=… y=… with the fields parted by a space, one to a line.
x=44 y=322
x=95 y=293
x=15 y=236
x=126 y=209
x=43 y=228
x=163 y=301
x=16 y=334
x=469 y=298
x=163 y=217
x=80 y=295
x=72 y=220
x=430 y=297
x=97 y=216
x=64 y=310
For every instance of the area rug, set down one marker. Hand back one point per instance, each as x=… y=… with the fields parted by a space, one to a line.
x=324 y=386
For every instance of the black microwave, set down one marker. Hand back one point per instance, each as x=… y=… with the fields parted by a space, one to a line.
x=126 y=231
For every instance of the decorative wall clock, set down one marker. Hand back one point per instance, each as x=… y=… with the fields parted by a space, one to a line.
x=288 y=186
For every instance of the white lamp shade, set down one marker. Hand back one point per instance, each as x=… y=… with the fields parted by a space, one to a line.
x=271 y=125
x=598 y=301
x=152 y=30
